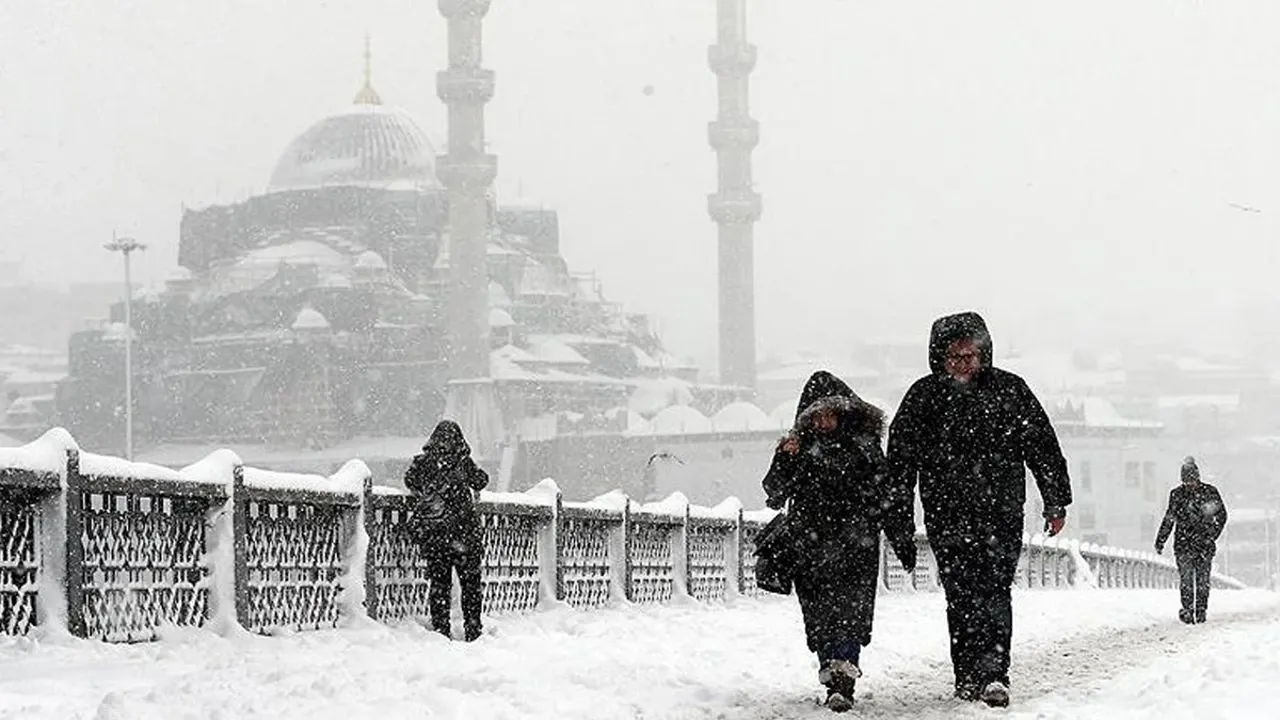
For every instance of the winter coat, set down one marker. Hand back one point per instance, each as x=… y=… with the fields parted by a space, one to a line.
x=968 y=445
x=444 y=480
x=835 y=488
x=1197 y=512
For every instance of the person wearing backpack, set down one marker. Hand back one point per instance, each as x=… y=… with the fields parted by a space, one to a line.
x=443 y=519
x=1198 y=513
x=831 y=470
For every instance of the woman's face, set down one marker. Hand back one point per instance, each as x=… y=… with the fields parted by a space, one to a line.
x=825 y=421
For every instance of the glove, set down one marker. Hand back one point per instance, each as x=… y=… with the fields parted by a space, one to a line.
x=1159 y=549
x=1055 y=518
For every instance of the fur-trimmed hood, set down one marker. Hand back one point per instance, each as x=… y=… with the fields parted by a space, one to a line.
x=825 y=391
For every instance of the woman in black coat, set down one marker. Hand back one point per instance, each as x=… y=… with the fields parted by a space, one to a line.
x=444 y=480
x=831 y=469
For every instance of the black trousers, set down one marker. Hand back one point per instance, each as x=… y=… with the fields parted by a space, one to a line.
x=977 y=578
x=465 y=559
x=1194 y=574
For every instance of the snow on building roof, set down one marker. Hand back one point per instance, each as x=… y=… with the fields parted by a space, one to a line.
x=370 y=260
x=680 y=420
x=310 y=319
x=1096 y=412
x=742 y=417
x=1222 y=402
x=551 y=349
x=498 y=296
x=652 y=395
x=1057 y=372
x=499 y=318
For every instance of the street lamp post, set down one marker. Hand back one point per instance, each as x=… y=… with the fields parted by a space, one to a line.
x=126 y=246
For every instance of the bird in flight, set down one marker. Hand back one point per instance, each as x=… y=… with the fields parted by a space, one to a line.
x=1244 y=208
x=663 y=456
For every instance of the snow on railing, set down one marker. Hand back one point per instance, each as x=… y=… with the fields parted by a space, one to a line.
x=103 y=548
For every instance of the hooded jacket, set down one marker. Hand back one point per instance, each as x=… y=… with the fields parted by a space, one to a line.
x=838 y=479
x=1197 y=512
x=969 y=445
x=443 y=478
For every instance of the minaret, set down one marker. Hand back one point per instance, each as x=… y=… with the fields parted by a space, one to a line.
x=735 y=207
x=467 y=172
x=367 y=95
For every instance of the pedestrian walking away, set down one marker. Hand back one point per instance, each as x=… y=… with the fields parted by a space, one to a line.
x=1196 y=515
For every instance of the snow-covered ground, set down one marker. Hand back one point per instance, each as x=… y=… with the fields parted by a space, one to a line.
x=1077 y=654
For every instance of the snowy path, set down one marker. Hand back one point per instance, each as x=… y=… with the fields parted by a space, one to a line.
x=1085 y=654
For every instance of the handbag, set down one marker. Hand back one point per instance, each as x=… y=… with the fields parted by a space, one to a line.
x=775 y=556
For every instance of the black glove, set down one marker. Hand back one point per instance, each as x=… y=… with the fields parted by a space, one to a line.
x=1159 y=549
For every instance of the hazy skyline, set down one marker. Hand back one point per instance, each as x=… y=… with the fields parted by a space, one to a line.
x=1081 y=167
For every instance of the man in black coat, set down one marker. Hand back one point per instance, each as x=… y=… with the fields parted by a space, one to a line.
x=1197 y=511
x=966 y=433
x=444 y=521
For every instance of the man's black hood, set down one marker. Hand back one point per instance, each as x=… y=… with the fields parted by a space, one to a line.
x=946 y=330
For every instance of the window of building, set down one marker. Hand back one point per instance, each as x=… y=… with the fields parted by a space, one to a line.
x=1086 y=476
x=1150 y=489
x=1088 y=521
x=1132 y=474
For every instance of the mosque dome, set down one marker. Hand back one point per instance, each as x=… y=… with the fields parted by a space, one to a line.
x=367 y=145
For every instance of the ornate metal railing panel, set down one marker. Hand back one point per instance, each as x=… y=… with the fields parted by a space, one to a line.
x=294 y=560
x=747 y=555
x=511 y=567
x=402 y=575
x=709 y=555
x=19 y=562
x=144 y=563
x=586 y=577
x=652 y=567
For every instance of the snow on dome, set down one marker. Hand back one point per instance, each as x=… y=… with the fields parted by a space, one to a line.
x=550 y=349
x=364 y=145
x=499 y=318
x=784 y=414
x=370 y=260
x=653 y=395
x=680 y=420
x=310 y=319
x=635 y=423
x=179 y=274
x=742 y=417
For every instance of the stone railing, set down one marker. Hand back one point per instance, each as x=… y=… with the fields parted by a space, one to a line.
x=118 y=551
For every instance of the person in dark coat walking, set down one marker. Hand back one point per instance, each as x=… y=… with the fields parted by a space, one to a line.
x=444 y=480
x=1199 y=515
x=830 y=468
x=966 y=434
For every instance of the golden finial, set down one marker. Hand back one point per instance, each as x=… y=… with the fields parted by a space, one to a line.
x=367 y=95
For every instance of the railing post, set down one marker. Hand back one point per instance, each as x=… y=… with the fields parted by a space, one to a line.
x=73 y=566
x=628 y=542
x=619 y=562
x=680 y=549
x=739 y=552
x=370 y=568
x=557 y=522
x=240 y=544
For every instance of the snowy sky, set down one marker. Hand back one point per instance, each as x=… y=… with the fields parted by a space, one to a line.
x=1020 y=157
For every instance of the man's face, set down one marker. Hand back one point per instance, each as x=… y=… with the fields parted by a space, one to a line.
x=963 y=361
